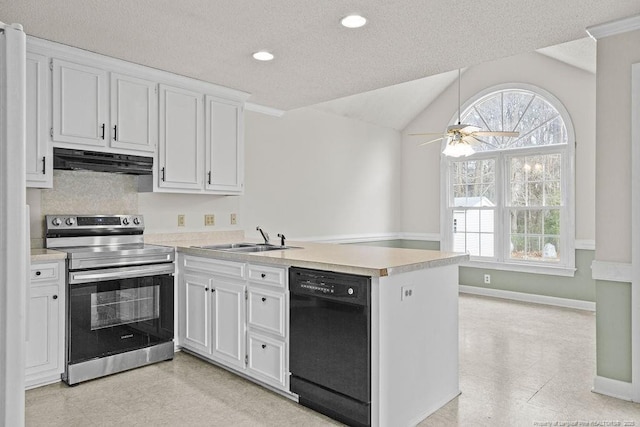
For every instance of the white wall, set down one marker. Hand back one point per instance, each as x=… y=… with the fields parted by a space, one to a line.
x=313 y=174
x=308 y=174
x=574 y=87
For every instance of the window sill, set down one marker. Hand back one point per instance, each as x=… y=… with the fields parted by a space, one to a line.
x=522 y=268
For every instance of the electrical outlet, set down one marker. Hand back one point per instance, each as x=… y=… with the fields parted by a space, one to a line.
x=210 y=219
x=487 y=279
x=407 y=292
x=233 y=219
x=180 y=220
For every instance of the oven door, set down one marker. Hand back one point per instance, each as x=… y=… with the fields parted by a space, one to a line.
x=111 y=311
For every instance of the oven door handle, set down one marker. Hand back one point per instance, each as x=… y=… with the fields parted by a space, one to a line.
x=88 y=276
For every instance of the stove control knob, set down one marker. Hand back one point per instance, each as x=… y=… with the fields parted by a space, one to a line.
x=56 y=221
x=70 y=221
x=125 y=221
x=136 y=220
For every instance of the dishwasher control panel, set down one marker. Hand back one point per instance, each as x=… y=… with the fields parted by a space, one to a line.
x=348 y=288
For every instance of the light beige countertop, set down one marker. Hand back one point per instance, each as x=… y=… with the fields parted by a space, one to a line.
x=355 y=259
x=42 y=254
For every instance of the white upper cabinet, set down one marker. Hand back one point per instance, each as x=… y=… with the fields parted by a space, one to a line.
x=134 y=113
x=80 y=113
x=180 y=139
x=224 y=144
x=39 y=162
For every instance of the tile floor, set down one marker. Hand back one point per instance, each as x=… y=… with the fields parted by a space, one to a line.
x=520 y=365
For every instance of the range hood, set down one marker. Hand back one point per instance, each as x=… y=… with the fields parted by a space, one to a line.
x=101 y=162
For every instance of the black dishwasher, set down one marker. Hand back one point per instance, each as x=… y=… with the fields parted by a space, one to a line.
x=330 y=343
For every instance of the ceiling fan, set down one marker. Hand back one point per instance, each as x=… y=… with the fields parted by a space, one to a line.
x=461 y=137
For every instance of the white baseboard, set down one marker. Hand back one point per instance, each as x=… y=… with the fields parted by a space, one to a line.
x=614 y=388
x=532 y=298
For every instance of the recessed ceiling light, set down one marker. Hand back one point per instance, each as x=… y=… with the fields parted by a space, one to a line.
x=263 y=55
x=353 y=21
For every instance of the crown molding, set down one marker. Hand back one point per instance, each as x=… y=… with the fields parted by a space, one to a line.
x=612 y=28
x=250 y=106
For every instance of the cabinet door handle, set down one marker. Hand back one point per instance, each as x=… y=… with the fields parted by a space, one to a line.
x=209 y=179
x=44 y=165
x=264 y=299
x=162 y=170
x=102 y=130
x=264 y=346
x=213 y=290
x=55 y=297
x=115 y=132
x=206 y=289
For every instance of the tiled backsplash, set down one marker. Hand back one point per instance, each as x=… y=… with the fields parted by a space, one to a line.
x=86 y=192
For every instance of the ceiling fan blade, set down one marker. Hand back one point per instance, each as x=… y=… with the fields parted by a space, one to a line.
x=425 y=134
x=472 y=140
x=495 y=133
x=469 y=129
x=429 y=142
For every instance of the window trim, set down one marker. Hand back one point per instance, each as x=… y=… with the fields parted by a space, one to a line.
x=566 y=265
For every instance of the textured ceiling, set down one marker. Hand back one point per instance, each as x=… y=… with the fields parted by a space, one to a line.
x=316 y=59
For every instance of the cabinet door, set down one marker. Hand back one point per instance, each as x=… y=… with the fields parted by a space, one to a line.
x=195 y=305
x=228 y=321
x=267 y=360
x=134 y=113
x=79 y=104
x=42 y=333
x=223 y=144
x=180 y=139
x=39 y=153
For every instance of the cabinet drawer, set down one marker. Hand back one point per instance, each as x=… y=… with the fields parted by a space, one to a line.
x=267 y=360
x=218 y=267
x=45 y=272
x=272 y=276
x=266 y=310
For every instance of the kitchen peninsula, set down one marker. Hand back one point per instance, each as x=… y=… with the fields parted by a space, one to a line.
x=413 y=318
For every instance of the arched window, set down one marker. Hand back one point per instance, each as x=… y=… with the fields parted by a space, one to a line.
x=511 y=203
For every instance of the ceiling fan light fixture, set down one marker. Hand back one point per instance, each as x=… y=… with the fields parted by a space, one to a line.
x=458 y=149
x=353 y=21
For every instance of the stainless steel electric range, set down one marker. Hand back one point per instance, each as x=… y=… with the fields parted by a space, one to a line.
x=119 y=294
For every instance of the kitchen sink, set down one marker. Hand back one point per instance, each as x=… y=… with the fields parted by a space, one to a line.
x=245 y=247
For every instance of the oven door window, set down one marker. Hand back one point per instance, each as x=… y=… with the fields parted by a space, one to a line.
x=120 y=307
x=115 y=316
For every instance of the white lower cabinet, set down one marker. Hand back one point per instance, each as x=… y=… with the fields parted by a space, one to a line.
x=236 y=314
x=44 y=353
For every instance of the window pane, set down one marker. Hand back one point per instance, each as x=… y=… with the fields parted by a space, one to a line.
x=473 y=231
x=535 y=234
x=535 y=180
x=473 y=183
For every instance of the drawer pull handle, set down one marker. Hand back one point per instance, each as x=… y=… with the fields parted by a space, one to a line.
x=38 y=273
x=55 y=297
x=264 y=346
x=263 y=299
x=263 y=275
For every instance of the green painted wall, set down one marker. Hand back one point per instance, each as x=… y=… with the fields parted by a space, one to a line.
x=580 y=287
x=613 y=330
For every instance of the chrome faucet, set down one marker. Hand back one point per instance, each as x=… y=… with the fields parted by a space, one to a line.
x=281 y=236
x=265 y=235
